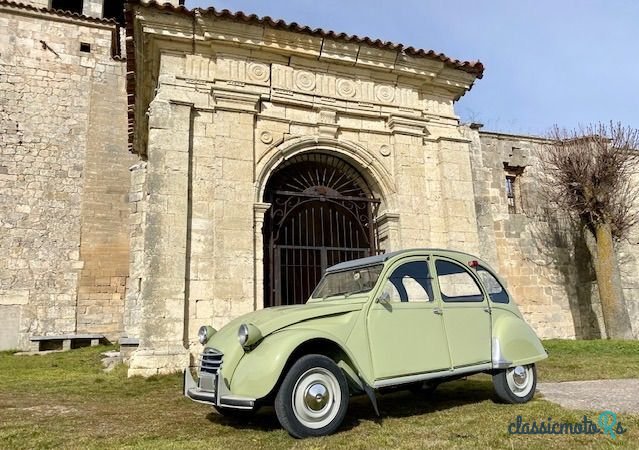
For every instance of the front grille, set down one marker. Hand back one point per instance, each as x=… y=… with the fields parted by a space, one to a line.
x=211 y=361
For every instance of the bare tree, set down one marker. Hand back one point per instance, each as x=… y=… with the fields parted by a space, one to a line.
x=588 y=174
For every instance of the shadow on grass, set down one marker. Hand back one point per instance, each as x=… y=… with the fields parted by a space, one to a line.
x=391 y=405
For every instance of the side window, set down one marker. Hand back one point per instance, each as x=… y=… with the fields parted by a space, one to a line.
x=495 y=289
x=456 y=284
x=410 y=282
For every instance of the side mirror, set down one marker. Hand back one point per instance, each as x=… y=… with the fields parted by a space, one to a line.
x=384 y=299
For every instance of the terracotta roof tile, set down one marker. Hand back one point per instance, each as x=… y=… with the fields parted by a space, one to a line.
x=473 y=67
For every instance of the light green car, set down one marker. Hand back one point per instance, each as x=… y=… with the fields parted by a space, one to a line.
x=412 y=318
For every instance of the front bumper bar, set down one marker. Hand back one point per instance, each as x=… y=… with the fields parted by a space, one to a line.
x=218 y=396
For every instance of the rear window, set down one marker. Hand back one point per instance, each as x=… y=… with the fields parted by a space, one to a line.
x=496 y=291
x=456 y=284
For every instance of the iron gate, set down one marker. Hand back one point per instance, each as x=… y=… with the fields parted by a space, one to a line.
x=321 y=214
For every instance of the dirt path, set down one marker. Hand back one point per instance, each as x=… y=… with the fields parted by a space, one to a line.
x=619 y=396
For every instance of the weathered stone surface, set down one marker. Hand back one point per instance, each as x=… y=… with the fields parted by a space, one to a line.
x=63 y=176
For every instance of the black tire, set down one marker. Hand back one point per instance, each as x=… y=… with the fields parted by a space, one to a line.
x=513 y=387
x=234 y=413
x=300 y=412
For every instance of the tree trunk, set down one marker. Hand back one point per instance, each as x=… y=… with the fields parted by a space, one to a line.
x=613 y=305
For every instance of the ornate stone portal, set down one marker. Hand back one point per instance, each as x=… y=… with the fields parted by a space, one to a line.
x=221 y=103
x=222 y=106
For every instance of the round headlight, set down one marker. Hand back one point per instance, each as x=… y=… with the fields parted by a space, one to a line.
x=243 y=334
x=203 y=334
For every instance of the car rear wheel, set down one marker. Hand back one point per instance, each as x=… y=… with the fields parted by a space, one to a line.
x=313 y=397
x=516 y=384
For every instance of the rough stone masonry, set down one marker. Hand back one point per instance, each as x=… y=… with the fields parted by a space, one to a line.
x=63 y=176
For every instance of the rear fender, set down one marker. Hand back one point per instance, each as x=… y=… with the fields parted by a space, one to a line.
x=514 y=342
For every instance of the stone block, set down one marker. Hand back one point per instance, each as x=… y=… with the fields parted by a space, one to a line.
x=14 y=297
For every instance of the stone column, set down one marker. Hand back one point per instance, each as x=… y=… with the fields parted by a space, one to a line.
x=234 y=270
x=389 y=232
x=412 y=191
x=162 y=286
x=457 y=193
x=259 y=210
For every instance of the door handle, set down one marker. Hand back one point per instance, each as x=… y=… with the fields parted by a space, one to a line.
x=487 y=309
x=438 y=311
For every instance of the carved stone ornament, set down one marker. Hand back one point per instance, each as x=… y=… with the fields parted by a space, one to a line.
x=385 y=150
x=266 y=137
x=258 y=72
x=385 y=93
x=346 y=88
x=305 y=80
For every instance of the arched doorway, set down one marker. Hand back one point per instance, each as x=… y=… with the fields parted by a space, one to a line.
x=321 y=214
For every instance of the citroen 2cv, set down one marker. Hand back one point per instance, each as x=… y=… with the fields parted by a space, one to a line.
x=410 y=318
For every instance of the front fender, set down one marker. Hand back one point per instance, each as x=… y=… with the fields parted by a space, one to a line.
x=514 y=342
x=259 y=370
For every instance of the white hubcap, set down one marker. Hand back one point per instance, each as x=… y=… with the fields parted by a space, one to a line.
x=520 y=380
x=316 y=398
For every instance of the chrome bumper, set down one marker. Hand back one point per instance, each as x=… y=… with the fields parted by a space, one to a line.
x=216 y=392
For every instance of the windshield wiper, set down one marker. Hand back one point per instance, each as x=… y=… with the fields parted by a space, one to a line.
x=346 y=293
x=337 y=294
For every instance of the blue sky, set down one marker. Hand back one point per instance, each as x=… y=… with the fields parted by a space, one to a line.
x=565 y=62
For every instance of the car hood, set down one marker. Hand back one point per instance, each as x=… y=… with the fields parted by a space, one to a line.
x=269 y=320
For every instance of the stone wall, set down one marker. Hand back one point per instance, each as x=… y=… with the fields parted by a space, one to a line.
x=62 y=119
x=37 y=3
x=540 y=253
x=104 y=245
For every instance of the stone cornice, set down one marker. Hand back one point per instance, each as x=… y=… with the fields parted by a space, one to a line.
x=413 y=126
x=449 y=139
x=208 y=30
x=231 y=100
x=241 y=63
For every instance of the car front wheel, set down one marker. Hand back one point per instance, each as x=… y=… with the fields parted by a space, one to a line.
x=516 y=384
x=313 y=397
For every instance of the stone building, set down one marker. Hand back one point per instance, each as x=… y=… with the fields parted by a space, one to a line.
x=260 y=153
x=64 y=181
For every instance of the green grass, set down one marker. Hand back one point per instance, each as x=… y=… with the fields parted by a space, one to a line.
x=589 y=360
x=64 y=400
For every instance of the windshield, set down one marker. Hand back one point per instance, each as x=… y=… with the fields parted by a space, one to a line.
x=354 y=281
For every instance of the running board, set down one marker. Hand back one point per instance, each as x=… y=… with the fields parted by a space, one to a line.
x=431 y=375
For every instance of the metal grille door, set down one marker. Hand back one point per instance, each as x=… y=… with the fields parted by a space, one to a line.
x=321 y=214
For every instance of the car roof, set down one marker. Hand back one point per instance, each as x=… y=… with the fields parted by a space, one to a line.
x=382 y=258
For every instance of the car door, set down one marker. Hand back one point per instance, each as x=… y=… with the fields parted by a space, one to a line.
x=466 y=313
x=406 y=331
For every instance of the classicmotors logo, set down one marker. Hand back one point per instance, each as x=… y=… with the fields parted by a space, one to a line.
x=606 y=423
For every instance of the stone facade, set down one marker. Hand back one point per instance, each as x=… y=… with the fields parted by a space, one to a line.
x=225 y=106
x=153 y=244
x=212 y=126
x=63 y=176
